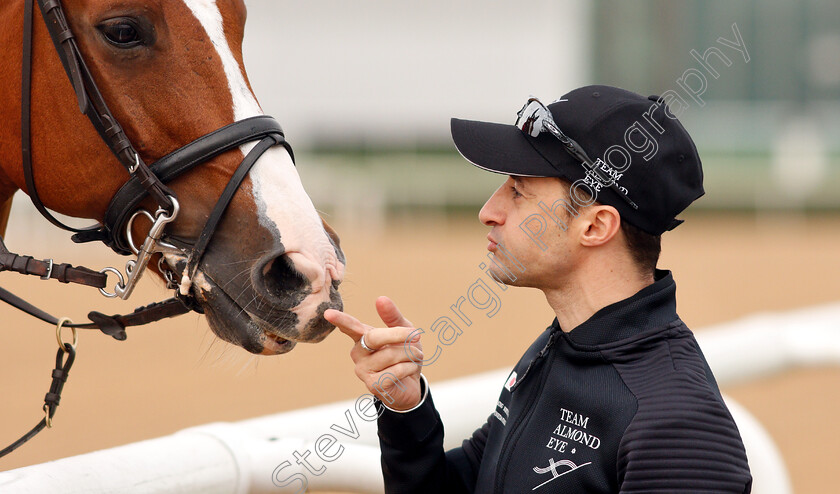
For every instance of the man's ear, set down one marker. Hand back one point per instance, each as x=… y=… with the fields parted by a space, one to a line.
x=602 y=224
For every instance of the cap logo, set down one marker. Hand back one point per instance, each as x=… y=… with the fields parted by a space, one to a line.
x=607 y=178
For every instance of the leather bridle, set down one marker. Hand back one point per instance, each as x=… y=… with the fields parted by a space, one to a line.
x=115 y=231
x=145 y=180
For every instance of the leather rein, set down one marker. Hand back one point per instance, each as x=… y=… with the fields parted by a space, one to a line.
x=115 y=231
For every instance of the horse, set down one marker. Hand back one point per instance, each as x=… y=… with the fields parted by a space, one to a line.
x=171 y=72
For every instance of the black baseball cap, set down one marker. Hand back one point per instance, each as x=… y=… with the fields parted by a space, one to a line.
x=641 y=159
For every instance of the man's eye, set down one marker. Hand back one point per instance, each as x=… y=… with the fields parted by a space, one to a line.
x=515 y=192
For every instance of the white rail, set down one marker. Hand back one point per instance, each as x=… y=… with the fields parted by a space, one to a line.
x=334 y=447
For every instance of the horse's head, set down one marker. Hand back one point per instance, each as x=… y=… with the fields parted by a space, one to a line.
x=172 y=71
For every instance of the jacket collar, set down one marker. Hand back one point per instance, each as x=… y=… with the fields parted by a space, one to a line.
x=654 y=306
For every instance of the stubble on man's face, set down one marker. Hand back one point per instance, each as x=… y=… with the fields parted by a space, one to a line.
x=513 y=208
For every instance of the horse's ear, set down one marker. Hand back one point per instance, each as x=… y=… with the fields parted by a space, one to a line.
x=6 y=208
x=327 y=228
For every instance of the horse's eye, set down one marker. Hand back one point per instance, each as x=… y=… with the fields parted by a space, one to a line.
x=122 y=33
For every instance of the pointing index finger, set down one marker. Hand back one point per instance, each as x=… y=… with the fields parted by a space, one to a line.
x=347 y=324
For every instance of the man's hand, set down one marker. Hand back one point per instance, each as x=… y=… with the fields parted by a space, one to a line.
x=388 y=371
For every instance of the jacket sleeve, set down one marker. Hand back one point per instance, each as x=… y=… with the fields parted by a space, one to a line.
x=413 y=459
x=681 y=454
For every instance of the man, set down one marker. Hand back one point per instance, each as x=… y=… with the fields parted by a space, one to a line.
x=615 y=395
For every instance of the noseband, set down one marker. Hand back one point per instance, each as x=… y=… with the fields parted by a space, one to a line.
x=116 y=229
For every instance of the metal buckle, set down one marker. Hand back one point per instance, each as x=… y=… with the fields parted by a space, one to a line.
x=132 y=169
x=49 y=271
x=135 y=268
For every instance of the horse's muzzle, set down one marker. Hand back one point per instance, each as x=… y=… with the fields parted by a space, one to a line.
x=268 y=307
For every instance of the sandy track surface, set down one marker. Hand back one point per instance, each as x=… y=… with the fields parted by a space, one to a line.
x=175 y=374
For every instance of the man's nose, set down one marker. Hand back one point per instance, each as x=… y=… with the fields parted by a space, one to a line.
x=491 y=213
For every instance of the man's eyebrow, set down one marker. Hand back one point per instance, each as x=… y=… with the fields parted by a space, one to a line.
x=520 y=181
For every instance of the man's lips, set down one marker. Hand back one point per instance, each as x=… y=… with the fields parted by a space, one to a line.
x=492 y=245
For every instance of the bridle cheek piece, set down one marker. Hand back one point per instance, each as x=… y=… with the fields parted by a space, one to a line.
x=124 y=208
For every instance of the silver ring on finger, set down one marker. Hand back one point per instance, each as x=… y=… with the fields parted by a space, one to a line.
x=364 y=345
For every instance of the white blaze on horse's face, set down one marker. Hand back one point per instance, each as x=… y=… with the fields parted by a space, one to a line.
x=302 y=245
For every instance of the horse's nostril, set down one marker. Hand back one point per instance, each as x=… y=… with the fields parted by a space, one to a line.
x=282 y=280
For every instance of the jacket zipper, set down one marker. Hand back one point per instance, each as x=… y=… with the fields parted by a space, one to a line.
x=541 y=354
x=513 y=437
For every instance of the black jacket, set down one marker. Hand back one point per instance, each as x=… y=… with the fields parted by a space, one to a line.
x=623 y=403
